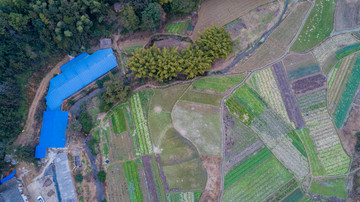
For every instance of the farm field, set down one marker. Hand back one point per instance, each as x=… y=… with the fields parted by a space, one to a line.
x=264 y=83
x=218 y=84
x=258 y=184
x=131 y=49
x=348 y=50
x=200 y=124
x=220 y=13
x=348 y=94
x=118 y=120
x=240 y=142
x=308 y=84
x=340 y=79
x=346 y=15
x=303 y=71
x=155 y=186
x=330 y=187
x=294 y=61
x=325 y=53
x=177 y=27
x=133 y=181
x=117 y=188
x=317 y=27
x=196 y=96
x=297 y=195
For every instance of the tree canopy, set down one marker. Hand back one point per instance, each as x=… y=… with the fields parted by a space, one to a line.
x=151 y=17
x=165 y=64
x=129 y=19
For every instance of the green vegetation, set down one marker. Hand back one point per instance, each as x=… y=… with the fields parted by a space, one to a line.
x=336 y=68
x=286 y=189
x=347 y=51
x=203 y=98
x=348 y=94
x=331 y=187
x=247 y=166
x=303 y=71
x=246 y=103
x=258 y=184
x=297 y=142
x=316 y=106
x=101 y=176
x=315 y=164
x=317 y=27
x=116 y=90
x=133 y=180
x=79 y=178
x=197 y=195
x=94 y=146
x=131 y=49
x=86 y=122
x=295 y=196
x=219 y=84
x=177 y=27
x=165 y=64
x=335 y=155
x=118 y=120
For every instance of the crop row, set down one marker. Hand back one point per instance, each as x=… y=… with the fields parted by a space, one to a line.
x=287 y=96
x=348 y=94
x=335 y=160
x=295 y=196
x=310 y=83
x=303 y=71
x=141 y=125
x=312 y=101
x=133 y=180
x=333 y=74
x=264 y=83
x=258 y=184
x=181 y=197
x=287 y=188
x=270 y=127
x=297 y=143
x=118 y=120
x=245 y=103
x=150 y=178
x=219 y=84
x=348 y=50
x=244 y=168
x=286 y=152
x=315 y=163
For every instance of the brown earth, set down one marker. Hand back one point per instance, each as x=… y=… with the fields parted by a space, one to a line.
x=222 y=12
x=347 y=15
x=297 y=60
x=30 y=131
x=212 y=190
x=347 y=134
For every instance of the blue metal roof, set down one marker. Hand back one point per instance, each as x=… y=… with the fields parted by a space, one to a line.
x=77 y=75
x=73 y=62
x=9 y=177
x=52 y=131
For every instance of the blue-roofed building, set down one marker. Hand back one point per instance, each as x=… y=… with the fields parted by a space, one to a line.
x=52 y=132
x=81 y=71
x=9 y=177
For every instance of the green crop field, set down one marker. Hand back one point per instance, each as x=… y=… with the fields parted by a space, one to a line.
x=336 y=68
x=315 y=164
x=245 y=102
x=348 y=50
x=259 y=183
x=200 y=97
x=348 y=94
x=283 y=191
x=335 y=160
x=317 y=27
x=177 y=27
x=246 y=167
x=219 y=84
x=331 y=187
x=297 y=143
x=131 y=49
x=118 y=120
x=133 y=180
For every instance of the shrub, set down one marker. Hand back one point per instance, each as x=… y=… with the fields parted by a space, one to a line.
x=79 y=178
x=101 y=176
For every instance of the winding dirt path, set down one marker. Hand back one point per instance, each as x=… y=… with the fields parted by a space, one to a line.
x=28 y=133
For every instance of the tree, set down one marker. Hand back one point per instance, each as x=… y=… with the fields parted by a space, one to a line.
x=182 y=7
x=79 y=178
x=194 y=62
x=129 y=19
x=151 y=17
x=140 y=5
x=75 y=126
x=101 y=176
x=116 y=90
x=86 y=121
x=164 y=1
x=215 y=42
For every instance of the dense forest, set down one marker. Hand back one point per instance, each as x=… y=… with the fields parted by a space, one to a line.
x=34 y=32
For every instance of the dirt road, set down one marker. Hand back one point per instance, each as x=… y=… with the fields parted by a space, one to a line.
x=28 y=134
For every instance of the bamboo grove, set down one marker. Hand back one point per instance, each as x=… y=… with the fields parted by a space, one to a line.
x=165 y=64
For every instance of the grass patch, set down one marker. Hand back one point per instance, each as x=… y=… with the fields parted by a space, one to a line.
x=177 y=27
x=317 y=27
x=331 y=187
x=167 y=97
x=219 y=84
x=118 y=120
x=297 y=143
x=334 y=74
x=187 y=176
x=131 y=49
x=159 y=123
x=200 y=97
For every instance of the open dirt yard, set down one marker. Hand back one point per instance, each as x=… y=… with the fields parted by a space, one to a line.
x=347 y=14
x=222 y=12
x=213 y=184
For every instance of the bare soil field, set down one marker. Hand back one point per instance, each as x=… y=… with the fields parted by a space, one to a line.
x=347 y=134
x=296 y=60
x=347 y=15
x=222 y=12
x=213 y=184
x=275 y=46
x=248 y=28
x=308 y=84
